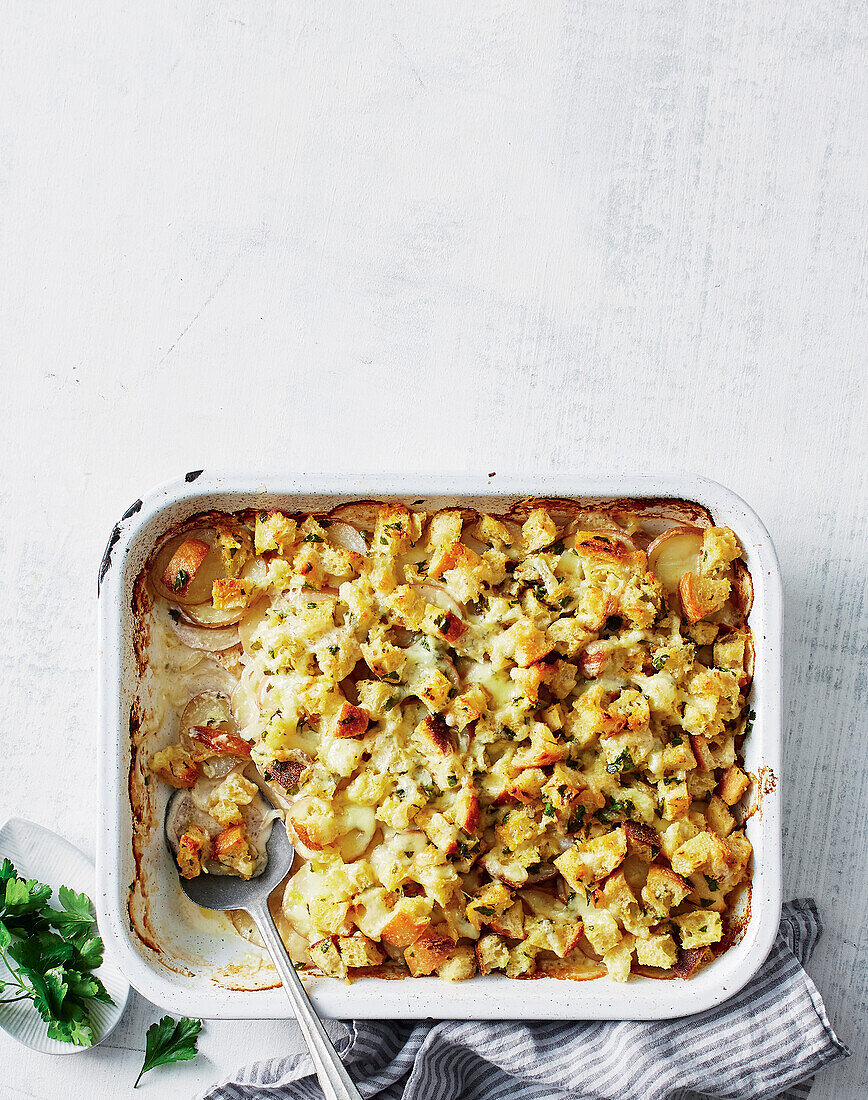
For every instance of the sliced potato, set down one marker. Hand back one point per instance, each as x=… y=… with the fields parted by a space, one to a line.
x=207 y=710
x=674 y=553
x=250 y=622
x=210 y=640
x=207 y=616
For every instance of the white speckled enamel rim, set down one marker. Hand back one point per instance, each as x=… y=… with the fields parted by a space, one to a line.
x=491 y=997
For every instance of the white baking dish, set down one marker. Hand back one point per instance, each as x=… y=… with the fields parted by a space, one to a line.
x=188 y=965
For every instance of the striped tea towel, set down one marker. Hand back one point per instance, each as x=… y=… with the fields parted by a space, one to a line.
x=768 y=1040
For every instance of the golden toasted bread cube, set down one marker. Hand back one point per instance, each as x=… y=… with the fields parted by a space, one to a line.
x=523 y=643
x=175 y=766
x=374 y=696
x=229 y=594
x=678 y=756
x=460 y=965
x=226 y=800
x=522 y=960
x=617 y=895
x=492 y=953
x=184 y=565
x=700 y=928
x=357 y=950
x=410 y=918
x=674 y=835
x=192 y=847
x=351 y=721
x=538 y=531
x=442 y=833
x=469 y=706
x=602 y=931
x=510 y=923
x=719 y=547
x=231 y=847
x=730 y=652
x=676 y=800
x=718 y=816
x=444 y=528
x=432 y=687
x=701 y=595
x=274 y=531
x=619 y=960
x=396 y=527
x=491 y=902
x=428 y=953
x=664 y=890
x=329 y=915
x=325 y=955
x=569 y=636
x=489 y=529
x=593 y=859
x=516 y=827
x=407 y=607
x=705 y=852
x=733 y=784
x=464 y=810
x=657 y=951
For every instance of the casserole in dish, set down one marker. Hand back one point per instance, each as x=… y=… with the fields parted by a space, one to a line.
x=188 y=954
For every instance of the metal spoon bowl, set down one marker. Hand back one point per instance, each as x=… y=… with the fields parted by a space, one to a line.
x=222 y=892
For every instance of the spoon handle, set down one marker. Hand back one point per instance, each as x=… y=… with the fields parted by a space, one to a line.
x=333 y=1077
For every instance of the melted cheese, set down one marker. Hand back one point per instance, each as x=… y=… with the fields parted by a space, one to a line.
x=469 y=713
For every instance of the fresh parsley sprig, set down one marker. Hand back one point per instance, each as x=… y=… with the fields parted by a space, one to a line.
x=50 y=955
x=170 y=1041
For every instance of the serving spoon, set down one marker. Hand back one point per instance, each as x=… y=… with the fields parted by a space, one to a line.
x=222 y=892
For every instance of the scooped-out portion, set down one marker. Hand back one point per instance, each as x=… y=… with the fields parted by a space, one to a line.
x=499 y=743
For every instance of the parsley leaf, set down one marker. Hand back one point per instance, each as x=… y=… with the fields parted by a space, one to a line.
x=170 y=1041
x=77 y=919
x=49 y=955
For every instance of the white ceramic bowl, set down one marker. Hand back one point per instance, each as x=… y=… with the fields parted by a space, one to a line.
x=41 y=854
x=187 y=967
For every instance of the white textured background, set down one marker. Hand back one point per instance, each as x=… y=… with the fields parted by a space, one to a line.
x=434 y=236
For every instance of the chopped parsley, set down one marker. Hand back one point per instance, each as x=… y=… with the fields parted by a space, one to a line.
x=181 y=578
x=659 y=660
x=615 y=810
x=623 y=762
x=313 y=537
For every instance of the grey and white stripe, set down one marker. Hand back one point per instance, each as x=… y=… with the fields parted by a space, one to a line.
x=769 y=1040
